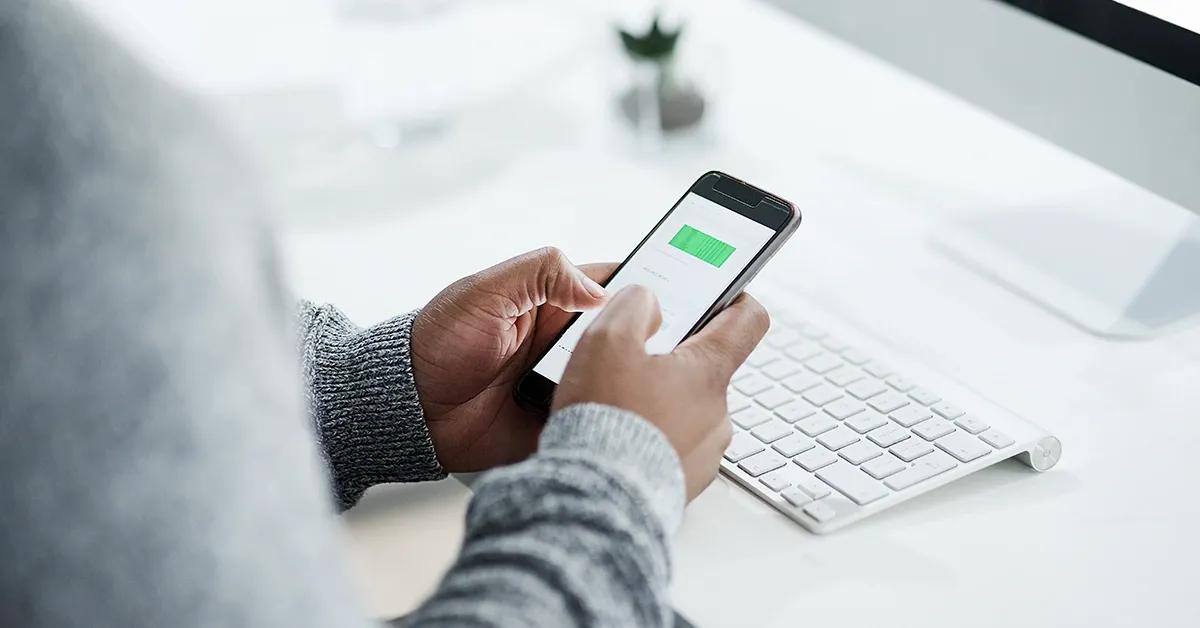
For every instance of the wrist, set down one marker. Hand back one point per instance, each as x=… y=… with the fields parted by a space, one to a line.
x=364 y=402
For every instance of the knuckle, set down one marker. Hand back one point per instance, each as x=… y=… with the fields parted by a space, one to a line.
x=551 y=256
x=552 y=267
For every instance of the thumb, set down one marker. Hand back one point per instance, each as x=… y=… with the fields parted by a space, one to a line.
x=540 y=277
x=629 y=319
x=727 y=340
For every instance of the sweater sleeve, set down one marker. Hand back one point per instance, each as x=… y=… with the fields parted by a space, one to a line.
x=156 y=463
x=574 y=536
x=363 y=401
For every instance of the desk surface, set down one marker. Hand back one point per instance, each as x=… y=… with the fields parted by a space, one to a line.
x=880 y=163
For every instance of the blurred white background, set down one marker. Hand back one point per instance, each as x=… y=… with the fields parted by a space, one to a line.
x=460 y=89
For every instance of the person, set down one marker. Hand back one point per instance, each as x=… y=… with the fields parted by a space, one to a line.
x=165 y=463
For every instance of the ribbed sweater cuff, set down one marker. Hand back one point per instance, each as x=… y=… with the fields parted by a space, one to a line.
x=626 y=446
x=365 y=403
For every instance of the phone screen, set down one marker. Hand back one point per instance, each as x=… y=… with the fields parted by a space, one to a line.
x=688 y=261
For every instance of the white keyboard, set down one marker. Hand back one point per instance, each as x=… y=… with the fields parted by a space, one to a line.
x=829 y=429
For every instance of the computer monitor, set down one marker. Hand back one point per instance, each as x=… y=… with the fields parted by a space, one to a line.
x=1117 y=83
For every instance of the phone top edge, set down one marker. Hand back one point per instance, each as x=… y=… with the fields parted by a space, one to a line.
x=745 y=199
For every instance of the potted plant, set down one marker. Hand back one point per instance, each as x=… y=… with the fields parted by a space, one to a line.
x=659 y=98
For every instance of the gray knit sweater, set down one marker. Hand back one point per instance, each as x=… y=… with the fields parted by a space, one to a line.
x=161 y=444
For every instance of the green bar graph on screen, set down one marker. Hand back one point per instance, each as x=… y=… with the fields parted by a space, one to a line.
x=702 y=246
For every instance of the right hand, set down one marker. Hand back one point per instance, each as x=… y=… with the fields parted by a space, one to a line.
x=683 y=392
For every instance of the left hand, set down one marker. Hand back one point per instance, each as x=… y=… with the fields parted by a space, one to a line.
x=473 y=341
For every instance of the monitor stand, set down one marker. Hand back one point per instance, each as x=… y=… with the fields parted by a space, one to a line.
x=1123 y=265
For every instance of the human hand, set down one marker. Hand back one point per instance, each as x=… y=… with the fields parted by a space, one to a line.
x=473 y=341
x=682 y=392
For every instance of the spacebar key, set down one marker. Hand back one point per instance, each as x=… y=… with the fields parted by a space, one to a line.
x=925 y=468
x=852 y=482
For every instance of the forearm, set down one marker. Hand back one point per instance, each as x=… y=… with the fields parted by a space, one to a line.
x=574 y=536
x=363 y=402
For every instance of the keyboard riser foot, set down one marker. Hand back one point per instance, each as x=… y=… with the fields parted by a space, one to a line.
x=1043 y=455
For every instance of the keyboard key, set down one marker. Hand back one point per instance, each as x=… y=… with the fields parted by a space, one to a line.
x=888 y=435
x=772 y=431
x=933 y=429
x=878 y=369
x=750 y=417
x=911 y=449
x=762 y=356
x=883 y=466
x=752 y=385
x=822 y=394
x=775 y=481
x=823 y=363
x=900 y=383
x=801 y=382
x=844 y=408
x=996 y=439
x=864 y=422
x=822 y=512
x=788 y=318
x=859 y=452
x=852 y=483
x=817 y=425
x=815 y=458
x=963 y=446
x=742 y=446
x=844 y=376
x=855 y=357
x=781 y=337
x=813 y=487
x=813 y=332
x=796 y=497
x=761 y=463
x=947 y=410
x=782 y=478
x=886 y=402
x=834 y=344
x=971 y=424
x=910 y=415
x=838 y=437
x=735 y=401
x=924 y=397
x=792 y=445
x=773 y=397
x=922 y=470
x=802 y=351
x=780 y=369
x=742 y=371
x=795 y=410
x=866 y=389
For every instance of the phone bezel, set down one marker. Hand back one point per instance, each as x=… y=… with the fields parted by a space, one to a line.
x=537 y=391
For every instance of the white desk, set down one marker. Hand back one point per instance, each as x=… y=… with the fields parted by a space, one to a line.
x=878 y=161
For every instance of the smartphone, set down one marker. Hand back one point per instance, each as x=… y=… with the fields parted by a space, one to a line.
x=696 y=260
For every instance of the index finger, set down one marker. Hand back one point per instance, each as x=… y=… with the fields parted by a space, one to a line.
x=727 y=340
x=631 y=317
